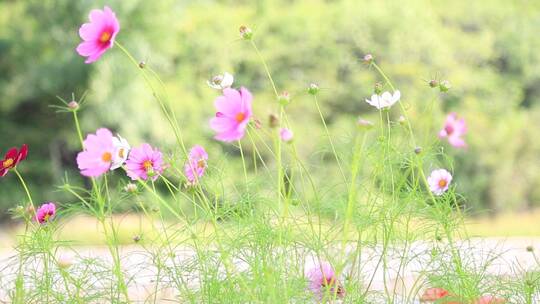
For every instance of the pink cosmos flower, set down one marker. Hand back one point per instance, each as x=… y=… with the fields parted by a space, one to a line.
x=490 y=300
x=454 y=129
x=45 y=213
x=286 y=134
x=435 y=294
x=233 y=114
x=98 y=35
x=144 y=162
x=322 y=281
x=196 y=164
x=439 y=180
x=97 y=156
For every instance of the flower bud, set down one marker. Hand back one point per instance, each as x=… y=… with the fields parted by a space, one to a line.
x=257 y=124
x=378 y=88
x=245 y=32
x=273 y=121
x=530 y=248
x=433 y=83
x=130 y=188
x=364 y=124
x=313 y=89
x=142 y=65
x=136 y=238
x=444 y=86
x=402 y=120
x=368 y=59
x=73 y=105
x=64 y=262
x=284 y=98
x=418 y=150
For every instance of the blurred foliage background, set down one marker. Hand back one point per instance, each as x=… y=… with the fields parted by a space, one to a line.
x=487 y=50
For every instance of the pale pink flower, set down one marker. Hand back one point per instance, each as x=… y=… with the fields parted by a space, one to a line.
x=233 y=114
x=121 y=151
x=434 y=294
x=45 y=213
x=98 y=35
x=454 y=129
x=385 y=100
x=286 y=134
x=144 y=162
x=196 y=164
x=220 y=82
x=489 y=300
x=439 y=180
x=97 y=156
x=323 y=281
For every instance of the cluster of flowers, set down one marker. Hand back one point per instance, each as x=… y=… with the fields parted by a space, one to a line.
x=441 y=295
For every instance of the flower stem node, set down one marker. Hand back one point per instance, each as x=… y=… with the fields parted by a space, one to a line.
x=444 y=86
x=377 y=88
x=418 y=150
x=313 y=89
x=73 y=105
x=142 y=65
x=245 y=32
x=368 y=59
x=284 y=98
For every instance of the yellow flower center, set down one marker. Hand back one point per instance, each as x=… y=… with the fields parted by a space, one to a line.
x=46 y=217
x=105 y=37
x=121 y=153
x=201 y=163
x=443 y=183
x=7 y=163
x=240 y=117
x=106 y=157
x=147 y=165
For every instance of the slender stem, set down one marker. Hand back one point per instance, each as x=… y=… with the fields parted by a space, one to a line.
x=24 y=186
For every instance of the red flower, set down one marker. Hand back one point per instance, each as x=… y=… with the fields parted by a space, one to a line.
x=12 y=159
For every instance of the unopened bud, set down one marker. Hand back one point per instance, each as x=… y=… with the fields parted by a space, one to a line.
x=130 y=188
x=402 y=120
x=418 y=150
x=364 y=124
x=377 y=88
x=313 y=89
x=64 y=262
x=368 y=58
x=273 y=121
x=444 y=86
x=530 y=248
x=142 y=65
x=257 y=123
x=136 y=238
x=155 y=209
x=433 y=83
x=73 y=105
x=438 y=238
x=245 y=32
x=31 y=210
x=284 y=98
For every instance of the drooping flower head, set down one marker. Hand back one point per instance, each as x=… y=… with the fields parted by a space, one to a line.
x=121 y=151
x=45 y=213
x=98 y=35
x=233 y=114
x=220 y=82
x=144 y=162
x=439 y=181
x=384 y=101
x=286 y=134
x=12 y=158
x=454 y=129
x=323 y=281
x=98 y=153
x=196 y=164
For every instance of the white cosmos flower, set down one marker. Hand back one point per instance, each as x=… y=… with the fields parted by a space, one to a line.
x=384 y=101
x=121 y=151
x=439 y=180
x=220 y=82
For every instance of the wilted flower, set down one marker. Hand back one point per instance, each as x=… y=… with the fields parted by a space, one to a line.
x=144 y=162
x=233 y=114
x=286 y=135
x=364 y=124
x=98 y=153
x=196 y=164
x=434 y=294
x=98 y=34
x=45 y=213
x=121 y=151
x=12 y=158
x=323 y=281
x=384 y=101
x=313 y=89
x=222 y=81
x=454 y=129
x=439 y=180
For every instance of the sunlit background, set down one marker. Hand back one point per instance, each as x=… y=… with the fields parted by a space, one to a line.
x=489 y=51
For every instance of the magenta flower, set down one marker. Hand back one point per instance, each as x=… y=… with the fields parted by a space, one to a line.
x=196 y=164
x=286 y=135
x=12 y=158
x=454 y=129
x=98 y=35
x=97 y=156
x=439 y=180
x=323 y=281
x=233 y=114
x=144 y=162
x=45 y=213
